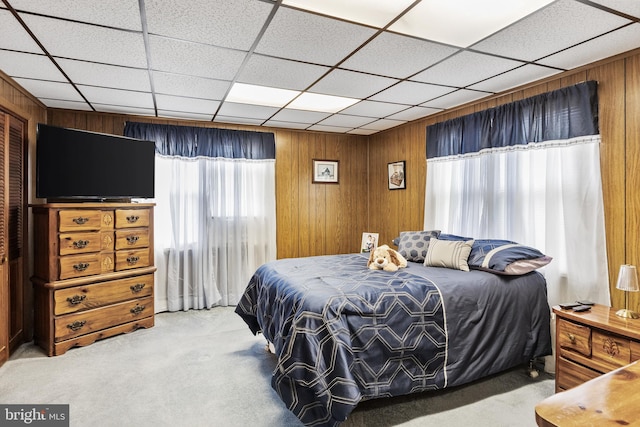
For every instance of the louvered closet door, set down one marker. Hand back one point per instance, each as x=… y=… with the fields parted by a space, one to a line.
x=4 y=270
x=12 y=220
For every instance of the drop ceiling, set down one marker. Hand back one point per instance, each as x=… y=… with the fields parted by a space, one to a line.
x=379 y=64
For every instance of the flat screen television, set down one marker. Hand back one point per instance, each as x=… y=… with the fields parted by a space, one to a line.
x=76 y=164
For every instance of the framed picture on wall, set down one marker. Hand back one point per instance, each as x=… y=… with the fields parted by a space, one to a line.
x=397 y=175
x=369 y=242
x=325 y=171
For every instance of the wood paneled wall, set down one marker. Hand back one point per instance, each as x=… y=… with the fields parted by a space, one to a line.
x=312 y=219
x=619 y=116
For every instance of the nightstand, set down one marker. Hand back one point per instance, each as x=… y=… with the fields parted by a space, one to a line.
x=591 y=343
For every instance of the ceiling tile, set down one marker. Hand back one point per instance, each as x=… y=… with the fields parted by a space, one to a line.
x=352 y=84
x=13 y=36
x=311 y=38
x=411 y=93
x=517 y=77
x=100 y=95
x=247 y=111
x=185 y=115
x=630 y=7
x=344 y=120
x=323 y=128
x=618 y=41
x=112 y=13
x=288 y=125
x=190 y=105
x=561 y=24
x=120 y=109
x=465 y=68
x=30 y=66
x=50 y=90
x=226 y=23
x=413 y=113
x=88 y=42
x=280 y=73
x=196 y=87
x=456 y=98
x=374 y=13
x=194 y=59
x=361 y=131
x=89 y=73
x=374 y=109
x=395 y=55
x=239 y=120
x=67 y=105
x=299 y=116
x=383 y=124
x=462 y=23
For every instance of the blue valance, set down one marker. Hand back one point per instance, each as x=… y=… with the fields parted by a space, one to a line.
x=190 y=141
x=560 y=114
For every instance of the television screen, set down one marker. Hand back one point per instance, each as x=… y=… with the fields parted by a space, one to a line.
x=75 y=164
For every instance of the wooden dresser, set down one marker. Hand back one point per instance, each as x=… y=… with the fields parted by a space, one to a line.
x=591 y=343
x=93 y=272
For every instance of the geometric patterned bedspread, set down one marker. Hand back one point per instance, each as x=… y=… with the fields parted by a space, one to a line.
x=343 y=333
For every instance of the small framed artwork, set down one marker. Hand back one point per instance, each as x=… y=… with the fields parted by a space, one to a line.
x=369 y=242
x=325 y=171
x=397 y=175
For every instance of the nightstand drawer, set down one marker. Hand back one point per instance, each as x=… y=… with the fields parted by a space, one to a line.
x=635 y=351
x=612 y=350
x=569 y=374
x=574 y=337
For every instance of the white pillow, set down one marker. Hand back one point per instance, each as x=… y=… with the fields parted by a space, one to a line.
x=448 y=254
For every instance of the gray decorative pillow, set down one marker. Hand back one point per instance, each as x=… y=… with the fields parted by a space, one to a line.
x=449 y=254
x=413 y=245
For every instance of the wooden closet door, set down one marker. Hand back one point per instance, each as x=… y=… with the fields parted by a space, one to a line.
x=12 y=221
x=4 y=270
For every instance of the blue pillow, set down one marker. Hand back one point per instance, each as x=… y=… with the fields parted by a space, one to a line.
x=505 y=257
x=454 y=237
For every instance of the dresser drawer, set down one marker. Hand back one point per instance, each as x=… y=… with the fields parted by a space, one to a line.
x=635 y=351
x=85 y=322
x=131 y=218
x=612 y=351
x=570 y=374
x=85 y=219
x=132 y=238
x=79 y=298
x=80 y=265
x=132 y=259
x=78 y=243
x=574 y=337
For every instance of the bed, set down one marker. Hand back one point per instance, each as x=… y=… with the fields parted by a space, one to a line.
x=343 y=333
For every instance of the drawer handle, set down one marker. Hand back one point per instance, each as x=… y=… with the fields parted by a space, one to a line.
x=81 y=267
x=137 y=287
x=80 y=244
x=80 y=220
x=76 y=299
x=610 y=347
x=137 y=309
x=132 y=259
x=77 y=325
x=132 y=219
x=132 y=239
x=572 y=338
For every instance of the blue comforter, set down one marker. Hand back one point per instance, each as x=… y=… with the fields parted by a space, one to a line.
x=343 y=333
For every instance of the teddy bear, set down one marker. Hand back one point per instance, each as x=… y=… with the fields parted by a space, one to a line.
x=385 y=258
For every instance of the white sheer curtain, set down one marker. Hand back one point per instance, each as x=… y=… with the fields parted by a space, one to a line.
x=215 y=224
x=547 y=195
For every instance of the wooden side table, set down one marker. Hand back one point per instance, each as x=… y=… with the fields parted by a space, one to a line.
x=608 y=400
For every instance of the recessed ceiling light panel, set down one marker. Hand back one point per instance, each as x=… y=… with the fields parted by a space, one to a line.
x=260 y=95
x=318 y=102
